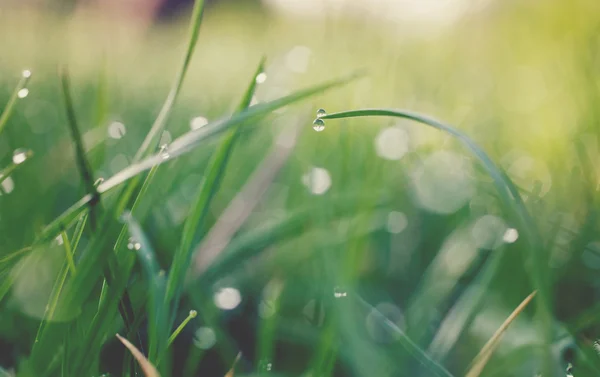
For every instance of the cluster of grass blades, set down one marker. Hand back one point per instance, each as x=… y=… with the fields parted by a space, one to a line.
x=89 y=304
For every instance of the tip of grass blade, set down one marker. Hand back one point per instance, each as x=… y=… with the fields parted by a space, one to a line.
x=232 y=370
x=147 y=367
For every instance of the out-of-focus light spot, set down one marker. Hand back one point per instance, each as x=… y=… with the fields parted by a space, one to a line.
x=133 y=244
x=376 y=325
x=529 y=173
x=23 y=93
x=205 y=338
x=511 y=235
x=396 y=222
x=261 y=78
x=317 y=180
x=227 y=298
x=591 y=255
x=443 y=183
x=20 y=155
x=59 y=239
x=457 y=253
x=26 y=73
x=118 y=163
x=391 y=143
x=198 y=122
x=297 y=59
x=488 y=232
x=8 y=185
x=116 y=130
x=339 y=292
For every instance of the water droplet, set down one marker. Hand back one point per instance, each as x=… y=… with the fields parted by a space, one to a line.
x=339 y=292
x=164 y=151
x=205 y=338
x=321 y=113
x=396 y=222
x=317 y=180
x=511 y=235
x=23 y=93
x=227 y=298
x=20 y=155
x=8 y=185
x=133 y=244
x=198 y=122
x=99 y=181
x=116 y=130
x=26 y=73
x=265 y=366
x=261 y=77
x=318 y=125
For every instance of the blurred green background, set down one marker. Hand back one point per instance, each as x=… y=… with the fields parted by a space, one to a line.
x=521 y=78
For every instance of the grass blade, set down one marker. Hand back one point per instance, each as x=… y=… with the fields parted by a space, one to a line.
x=195 y=220
x=7 y=171
x=484 y=355
x=192 y=139
x=510 y=198
x=148 y=369
x=8 y=109
x=157 y=332
x=161 y=120
x=82 y=163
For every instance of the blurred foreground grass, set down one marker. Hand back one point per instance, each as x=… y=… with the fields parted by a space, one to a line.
x=389 y=211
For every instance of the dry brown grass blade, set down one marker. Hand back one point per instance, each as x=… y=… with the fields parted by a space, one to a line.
x=484 y=355
x=148 y=369
x=232 y=370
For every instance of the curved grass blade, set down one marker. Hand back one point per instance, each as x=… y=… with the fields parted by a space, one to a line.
x=196 y=217
x=510 y=198
x=405 y=341
x=7 y=171
x=147 y=367
x=161 y=120
x=64 y=220
x=8 y=109
x=485 y=353
x=82 y=162
x=158 y=331
x=192 y=139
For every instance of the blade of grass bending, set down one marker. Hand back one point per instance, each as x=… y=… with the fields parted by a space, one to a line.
x=7 y=171
x=195 y=219
x=147 y=367
x=68 y=252
x=64 y=220
x=158 y=332
x=161 y=120
x=405 y=341
x=82 y=163
x=510 y=198
x=8 y=109
x=485 y=353
x=249 y=244
x=190 y=140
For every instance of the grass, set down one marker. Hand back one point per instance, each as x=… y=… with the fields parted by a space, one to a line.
x=255 y=246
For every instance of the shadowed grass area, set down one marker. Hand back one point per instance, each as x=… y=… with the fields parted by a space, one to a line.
x=375 y=246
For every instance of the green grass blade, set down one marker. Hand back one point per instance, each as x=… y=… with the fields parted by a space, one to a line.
x=64 y=220
x=68 y=252
x=161 y=120
x=7 y=171
x=195 y=220
x=406 y=342
x=509 y=197
x=157 y=331
x=193 y=139
x=82 y=162
x=8 y=109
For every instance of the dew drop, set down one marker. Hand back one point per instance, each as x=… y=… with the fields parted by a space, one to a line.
x=20 y=155
x=265 y=366
x=227 y=298
x=133 y=244
x=99 y=181
x=164 y=151
x=7 y=185
x=26 y=73
x=338 y=292
x=261 y=77
x=511 y=235
x=318 y=125
x=321 y=113
x=23 y=93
